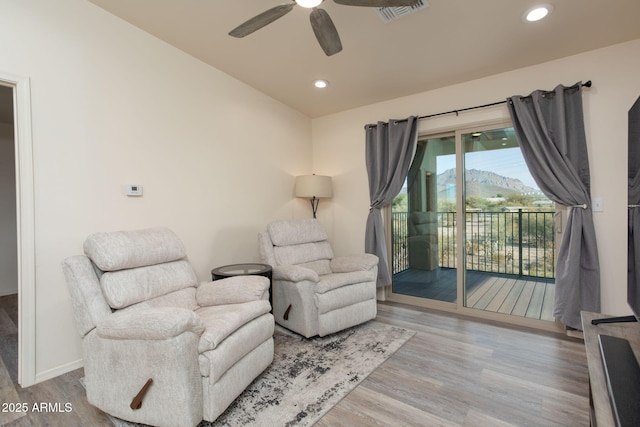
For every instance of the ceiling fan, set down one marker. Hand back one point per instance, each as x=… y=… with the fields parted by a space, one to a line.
x=322 y=25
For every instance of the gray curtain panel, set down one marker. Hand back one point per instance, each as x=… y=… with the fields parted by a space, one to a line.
x=389 y=151
x=550 y=130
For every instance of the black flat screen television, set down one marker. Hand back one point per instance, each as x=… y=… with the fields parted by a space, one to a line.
x=620 y=364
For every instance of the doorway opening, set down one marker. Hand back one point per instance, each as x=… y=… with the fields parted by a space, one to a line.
x=23 y=212
x=9 y=319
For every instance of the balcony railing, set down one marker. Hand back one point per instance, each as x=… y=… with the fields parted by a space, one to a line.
x=519 y=242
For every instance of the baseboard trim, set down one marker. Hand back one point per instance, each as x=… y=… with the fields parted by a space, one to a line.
x=59 y=370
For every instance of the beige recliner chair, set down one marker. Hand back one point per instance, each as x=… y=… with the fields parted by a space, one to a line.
x=143 y=316
x=313 y=292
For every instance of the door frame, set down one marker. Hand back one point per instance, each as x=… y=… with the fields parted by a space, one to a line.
x=25 y=215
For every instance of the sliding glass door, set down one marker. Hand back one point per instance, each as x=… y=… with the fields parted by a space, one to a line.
x=483 y=239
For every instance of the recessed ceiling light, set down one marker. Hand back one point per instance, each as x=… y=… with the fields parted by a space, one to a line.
x=321 y=84
x=309 y=3
x=536 y=13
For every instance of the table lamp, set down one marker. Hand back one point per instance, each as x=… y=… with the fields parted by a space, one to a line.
x=314 y=187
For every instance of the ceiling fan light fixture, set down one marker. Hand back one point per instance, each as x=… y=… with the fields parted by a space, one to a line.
x=320 y=84
x=537 y=13
x=309 y=3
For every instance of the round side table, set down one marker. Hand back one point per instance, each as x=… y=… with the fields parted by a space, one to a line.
x=249 y=269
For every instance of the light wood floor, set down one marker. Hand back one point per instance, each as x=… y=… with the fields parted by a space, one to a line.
x=454 y=372
x=461 y=372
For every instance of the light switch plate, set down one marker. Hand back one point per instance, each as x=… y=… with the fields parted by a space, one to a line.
x=597 y=204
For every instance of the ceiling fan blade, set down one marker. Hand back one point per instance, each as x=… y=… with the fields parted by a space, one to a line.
x=259 y=21
x=377 y=3
x=325 y=32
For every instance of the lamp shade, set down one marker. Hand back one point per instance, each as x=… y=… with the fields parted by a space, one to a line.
x=318 y=186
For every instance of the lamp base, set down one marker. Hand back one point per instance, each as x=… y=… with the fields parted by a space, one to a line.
x=314 y=205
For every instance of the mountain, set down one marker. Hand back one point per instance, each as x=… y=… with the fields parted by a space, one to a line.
x=483 y=184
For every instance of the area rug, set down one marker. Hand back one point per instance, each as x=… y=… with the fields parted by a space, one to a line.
x=309 y=376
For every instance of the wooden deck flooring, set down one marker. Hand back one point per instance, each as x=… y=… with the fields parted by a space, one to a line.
x=502 y=293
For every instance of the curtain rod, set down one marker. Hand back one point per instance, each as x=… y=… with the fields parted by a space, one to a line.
x=587 y=84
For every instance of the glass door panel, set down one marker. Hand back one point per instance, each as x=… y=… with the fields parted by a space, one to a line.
x=424 y=224
x=509 y=251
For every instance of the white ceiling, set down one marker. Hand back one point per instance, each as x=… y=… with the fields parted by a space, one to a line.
x=449 y=42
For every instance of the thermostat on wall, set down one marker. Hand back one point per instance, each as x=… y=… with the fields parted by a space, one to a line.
x=134 y=190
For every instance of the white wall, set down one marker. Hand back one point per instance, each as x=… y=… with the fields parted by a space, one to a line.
x=111 y=106
x=8 y=241
x=614 y=72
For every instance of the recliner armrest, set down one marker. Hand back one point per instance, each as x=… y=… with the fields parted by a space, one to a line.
x=232 y=290
x=349 y=263
x=294 y=273
x=150 y=324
